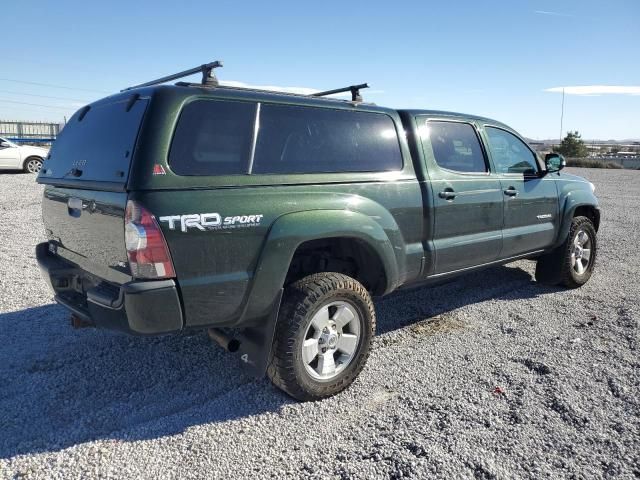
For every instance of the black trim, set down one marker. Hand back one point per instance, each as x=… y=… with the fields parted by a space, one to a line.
x=83 y=184
x=145 y=286
x=140 y=307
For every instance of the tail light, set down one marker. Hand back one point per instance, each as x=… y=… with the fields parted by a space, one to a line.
x=146 y=247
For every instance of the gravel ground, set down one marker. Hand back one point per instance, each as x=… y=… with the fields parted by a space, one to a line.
x=490 y=376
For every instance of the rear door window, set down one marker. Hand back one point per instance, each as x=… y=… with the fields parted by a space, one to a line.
x=317 y=140
x=213 y=138
x=97 y=143
x=455 y=146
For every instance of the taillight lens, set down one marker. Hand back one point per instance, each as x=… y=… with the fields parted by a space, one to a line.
x=146 y=248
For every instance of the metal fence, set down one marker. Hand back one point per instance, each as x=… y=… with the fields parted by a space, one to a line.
x=37 y=133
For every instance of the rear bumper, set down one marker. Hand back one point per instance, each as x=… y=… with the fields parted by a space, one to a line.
x=137 y=307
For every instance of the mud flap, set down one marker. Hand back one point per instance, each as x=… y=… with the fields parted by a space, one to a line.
x=256 y=342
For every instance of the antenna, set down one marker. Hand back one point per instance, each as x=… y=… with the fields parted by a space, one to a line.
x=354 y=89
x=209 y=78
x=561 y=115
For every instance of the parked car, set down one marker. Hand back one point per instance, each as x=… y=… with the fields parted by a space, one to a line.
x=21 y=157
x=280 y=216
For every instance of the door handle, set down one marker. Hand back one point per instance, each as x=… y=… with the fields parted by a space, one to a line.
x=447 y=194
x=511 y=192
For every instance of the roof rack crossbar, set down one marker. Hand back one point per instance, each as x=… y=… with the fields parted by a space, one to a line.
x=354 y=89
x=208 y=76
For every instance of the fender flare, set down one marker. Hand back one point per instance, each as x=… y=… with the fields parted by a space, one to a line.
x=572 y=201
x=289 y=231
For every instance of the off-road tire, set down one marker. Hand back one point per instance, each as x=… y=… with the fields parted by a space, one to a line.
x=555 y=268
x=26 y=166
x=301 y=301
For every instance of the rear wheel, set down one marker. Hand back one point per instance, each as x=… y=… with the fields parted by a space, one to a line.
x=571 y=264
x=323 y=336
x=32 y=165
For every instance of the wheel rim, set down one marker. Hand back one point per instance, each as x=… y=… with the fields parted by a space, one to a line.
x=581 y=253
x=331 y=340
x=34 y=166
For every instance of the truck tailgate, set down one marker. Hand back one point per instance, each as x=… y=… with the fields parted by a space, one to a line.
x=86 y=227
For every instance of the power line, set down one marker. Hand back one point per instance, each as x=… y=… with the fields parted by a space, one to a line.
x=45 y=96
x=50 y=85
x=37 y=104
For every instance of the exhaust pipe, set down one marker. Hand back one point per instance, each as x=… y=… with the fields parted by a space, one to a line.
x=224 y=340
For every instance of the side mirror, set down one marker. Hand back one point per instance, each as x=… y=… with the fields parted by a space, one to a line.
x=554 y=162
x=5 y=144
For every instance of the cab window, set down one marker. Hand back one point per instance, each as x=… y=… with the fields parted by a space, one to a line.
x=510 y=154
x=455 y=146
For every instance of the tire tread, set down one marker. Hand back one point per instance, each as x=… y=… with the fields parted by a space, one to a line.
x=300 y=298
x=555 y=267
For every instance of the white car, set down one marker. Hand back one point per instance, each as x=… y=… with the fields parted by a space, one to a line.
x=21 y=157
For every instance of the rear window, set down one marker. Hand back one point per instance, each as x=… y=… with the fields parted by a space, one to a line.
x=456 y=146
x=213 y=138
x=97 y=143
x=315 y=140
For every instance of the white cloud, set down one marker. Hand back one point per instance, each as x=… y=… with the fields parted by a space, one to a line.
x=553 y=14
x=596 y=90
x=298 y=90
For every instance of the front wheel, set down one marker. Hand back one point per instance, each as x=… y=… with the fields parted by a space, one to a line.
x=571 y=264
x=323 y=336
x=32 y=165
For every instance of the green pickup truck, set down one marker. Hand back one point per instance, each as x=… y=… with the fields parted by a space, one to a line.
x=271 y=219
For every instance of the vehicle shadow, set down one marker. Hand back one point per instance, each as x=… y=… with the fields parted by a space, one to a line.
x=404 y=307
x=60 y=387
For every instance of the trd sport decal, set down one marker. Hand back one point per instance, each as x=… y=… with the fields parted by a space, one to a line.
x=210 y=221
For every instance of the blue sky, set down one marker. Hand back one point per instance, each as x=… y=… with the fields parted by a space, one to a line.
x=492 y=58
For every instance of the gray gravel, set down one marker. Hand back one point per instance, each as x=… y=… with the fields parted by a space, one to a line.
x=490 y=376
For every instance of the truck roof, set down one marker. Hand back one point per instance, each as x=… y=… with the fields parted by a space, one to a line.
x=454 y=115
x=251 y=94
x=183 y=90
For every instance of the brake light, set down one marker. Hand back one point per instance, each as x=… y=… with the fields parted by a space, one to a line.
x=146 y=247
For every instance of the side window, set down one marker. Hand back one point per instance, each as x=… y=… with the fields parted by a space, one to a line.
x=509 y=153
x=318 y=140
x=213 y=138
x=455 y=146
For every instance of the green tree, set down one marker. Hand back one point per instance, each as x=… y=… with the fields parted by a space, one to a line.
x=572 y=146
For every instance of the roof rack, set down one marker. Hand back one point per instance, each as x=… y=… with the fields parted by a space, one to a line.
x=209 y=79
x=354 y=89
x=208 y=76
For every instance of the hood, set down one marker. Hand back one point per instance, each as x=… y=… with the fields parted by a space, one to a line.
x=570 y=183
x=30 y=150
x=570 y=177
